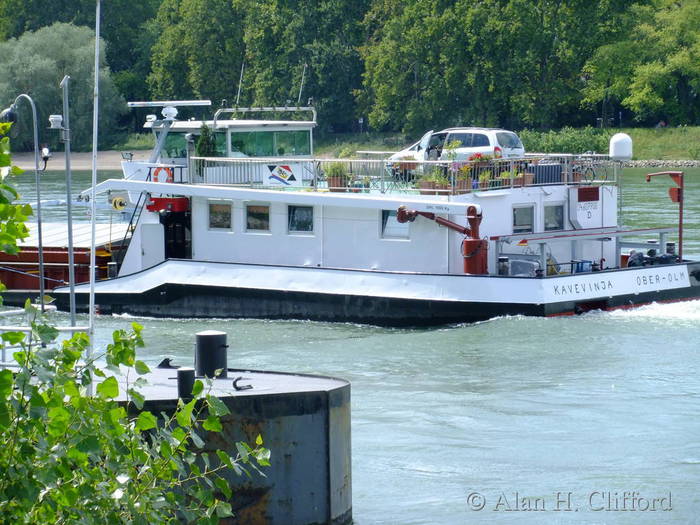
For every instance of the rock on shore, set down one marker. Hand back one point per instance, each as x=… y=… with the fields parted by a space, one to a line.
x=663 y=164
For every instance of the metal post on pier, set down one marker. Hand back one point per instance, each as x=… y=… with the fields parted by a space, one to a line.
x=62 y=123
x=93 y=207
x=10 y=115
x=69 y=197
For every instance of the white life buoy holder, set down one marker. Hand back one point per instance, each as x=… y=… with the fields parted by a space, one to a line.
x=157 y=174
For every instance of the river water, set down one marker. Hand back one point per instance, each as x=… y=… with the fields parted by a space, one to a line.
x=575 y=417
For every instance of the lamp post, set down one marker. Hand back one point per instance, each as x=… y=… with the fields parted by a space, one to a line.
x=62 y=123
x=10 y=114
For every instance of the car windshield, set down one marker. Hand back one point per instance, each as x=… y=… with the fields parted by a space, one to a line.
x=508 y=140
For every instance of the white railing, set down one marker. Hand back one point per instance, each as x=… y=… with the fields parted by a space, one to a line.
x=426 y=177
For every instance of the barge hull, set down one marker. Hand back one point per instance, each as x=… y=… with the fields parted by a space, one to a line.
x=192 y=301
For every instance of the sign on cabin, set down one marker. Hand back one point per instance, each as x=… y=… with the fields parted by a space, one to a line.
x=585 y=209
x=289 y=174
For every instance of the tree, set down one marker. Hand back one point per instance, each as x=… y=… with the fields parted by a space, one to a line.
x=204 y=42
x=512 y=63
x=199 y=50
x=206 y=144
x=127 y=28
x=281 y=37
x=38 y=62
x=69 y=457
x=12 y=215
x=654 y=70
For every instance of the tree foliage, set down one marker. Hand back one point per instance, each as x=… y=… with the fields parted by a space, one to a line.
x=12 y=215
x=126 y=27
x=203 y=44
x=495 y=62
x=408 y=65
x=38 y=62
x=654 y=71
x=70 y=457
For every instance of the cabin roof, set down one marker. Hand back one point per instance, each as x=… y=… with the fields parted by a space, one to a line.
x=345 y=200
x=195 y=125
x=55 y=234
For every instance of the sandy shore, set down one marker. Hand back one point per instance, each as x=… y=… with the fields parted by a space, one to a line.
x=106 y=160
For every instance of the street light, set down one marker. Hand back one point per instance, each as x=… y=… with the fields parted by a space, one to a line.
x=62 y=123
x=10 y=115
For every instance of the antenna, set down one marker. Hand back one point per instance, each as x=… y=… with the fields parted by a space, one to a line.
x=303 y=74
x=165 y=103
x=240 y=83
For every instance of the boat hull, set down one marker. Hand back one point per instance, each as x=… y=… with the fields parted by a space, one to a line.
x=380 y=298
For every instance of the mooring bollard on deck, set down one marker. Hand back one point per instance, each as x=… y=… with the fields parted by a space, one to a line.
x=304 y=421
x=185 y=383
x=211 y=353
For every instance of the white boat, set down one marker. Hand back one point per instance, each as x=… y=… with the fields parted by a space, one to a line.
x=266 y=230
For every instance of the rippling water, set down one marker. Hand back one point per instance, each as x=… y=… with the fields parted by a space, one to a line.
x=586 y=407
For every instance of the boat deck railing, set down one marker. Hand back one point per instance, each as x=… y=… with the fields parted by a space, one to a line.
x=439 y=177
x=535 y=247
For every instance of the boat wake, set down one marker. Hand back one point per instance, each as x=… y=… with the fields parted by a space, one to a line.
x=681 y=311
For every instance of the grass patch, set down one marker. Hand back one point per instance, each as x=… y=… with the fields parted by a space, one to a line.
x=682 y=143
x=136 y=142
x=346 y=145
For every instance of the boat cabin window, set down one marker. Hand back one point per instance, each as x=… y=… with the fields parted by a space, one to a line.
x=176 y=146
x=391 y=228
x=300 y=219
x=554 y=217
x=257 y=217
x=523 y=219
x=219 y=215
x=272 y=143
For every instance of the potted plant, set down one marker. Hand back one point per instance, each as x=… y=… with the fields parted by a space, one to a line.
x=442 y=181
x=480 y=160
x=434 y=180
x=463 y=179
x=484 y=179
x=505 y=178
x=337 y=177
x=405 y=164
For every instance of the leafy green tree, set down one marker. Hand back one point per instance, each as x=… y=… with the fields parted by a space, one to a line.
x=654 y=71
x=206 y=145
x=127 y=28
x=494 y=62
x=36 y=62
x=199 y=50
x=204 y=42
x=283 y=36
x=12 y=215
x=69 y=457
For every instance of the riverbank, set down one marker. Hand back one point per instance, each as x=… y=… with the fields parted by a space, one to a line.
x=80 y=161
x=111 y=160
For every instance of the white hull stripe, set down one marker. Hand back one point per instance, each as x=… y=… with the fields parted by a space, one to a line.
x=462 y=288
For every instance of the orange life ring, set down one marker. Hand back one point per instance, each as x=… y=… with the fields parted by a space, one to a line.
x=168 y=175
